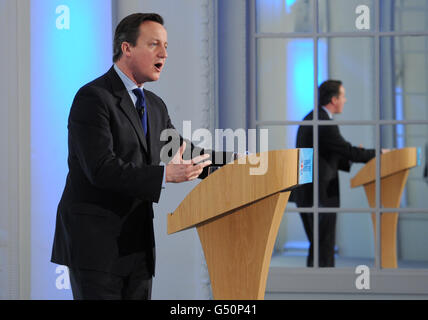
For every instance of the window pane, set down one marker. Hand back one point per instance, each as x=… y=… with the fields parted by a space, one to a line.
x=351 y=60
x=414 y=194
x=412 y=240
x=357 y=136
x=284 y=16
x=280 y=137
x=284 y=137
x=285 y=77
x=404 y=89
x=352 y=235
x=404 y=15
x=291 y=245
x=346 y=16
x=354 y=240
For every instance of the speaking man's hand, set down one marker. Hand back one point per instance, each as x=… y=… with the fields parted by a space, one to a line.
x=180 y=170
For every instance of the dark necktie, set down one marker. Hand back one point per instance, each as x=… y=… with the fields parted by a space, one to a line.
x=141 y=107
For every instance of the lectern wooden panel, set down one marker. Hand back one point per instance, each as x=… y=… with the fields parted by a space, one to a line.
x=239 y=246
x=395 y=166
x=237 y=216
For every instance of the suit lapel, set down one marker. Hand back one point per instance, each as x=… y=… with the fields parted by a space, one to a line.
x=152 y=127
x=127 y=106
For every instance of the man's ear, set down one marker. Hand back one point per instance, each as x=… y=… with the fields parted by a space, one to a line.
x=126 y=46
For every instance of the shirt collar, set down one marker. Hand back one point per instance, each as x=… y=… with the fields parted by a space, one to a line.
x=330 y=115
x=129 y=84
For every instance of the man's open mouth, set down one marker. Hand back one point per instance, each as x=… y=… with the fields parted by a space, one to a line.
x=159 y=65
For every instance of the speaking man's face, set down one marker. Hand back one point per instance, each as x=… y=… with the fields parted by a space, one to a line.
x=340 y=100
x=148 y=57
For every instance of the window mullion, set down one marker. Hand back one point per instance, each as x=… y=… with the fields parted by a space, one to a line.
x=315 y=183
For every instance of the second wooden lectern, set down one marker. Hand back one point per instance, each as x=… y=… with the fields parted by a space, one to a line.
x=237 y=216
x=395 y=166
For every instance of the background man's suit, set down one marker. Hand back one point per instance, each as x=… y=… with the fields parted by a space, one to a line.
x=335 y=154
x=105 y=216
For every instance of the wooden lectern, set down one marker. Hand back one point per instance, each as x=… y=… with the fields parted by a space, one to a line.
x=395 y=167
x=237 y=216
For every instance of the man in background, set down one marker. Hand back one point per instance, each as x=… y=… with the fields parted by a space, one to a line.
x=335 y=154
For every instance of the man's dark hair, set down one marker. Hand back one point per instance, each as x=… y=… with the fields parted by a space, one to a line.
x=327 y=90
x=128 y=30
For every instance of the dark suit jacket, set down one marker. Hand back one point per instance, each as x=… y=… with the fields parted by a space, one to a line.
x=335 y=154
x=114 y=177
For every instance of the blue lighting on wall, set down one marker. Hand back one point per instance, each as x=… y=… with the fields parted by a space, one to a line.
x=288 y=4
x=278 y=5
x=300 y=71
x=399 y=115
x=300 y=75
x=71 y=44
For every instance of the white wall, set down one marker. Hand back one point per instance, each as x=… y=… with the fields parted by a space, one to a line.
x=232 y=64
x=4 y=161
x=15 y=146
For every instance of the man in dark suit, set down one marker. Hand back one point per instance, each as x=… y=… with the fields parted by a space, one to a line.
x=335 y=154
x=104 y=227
